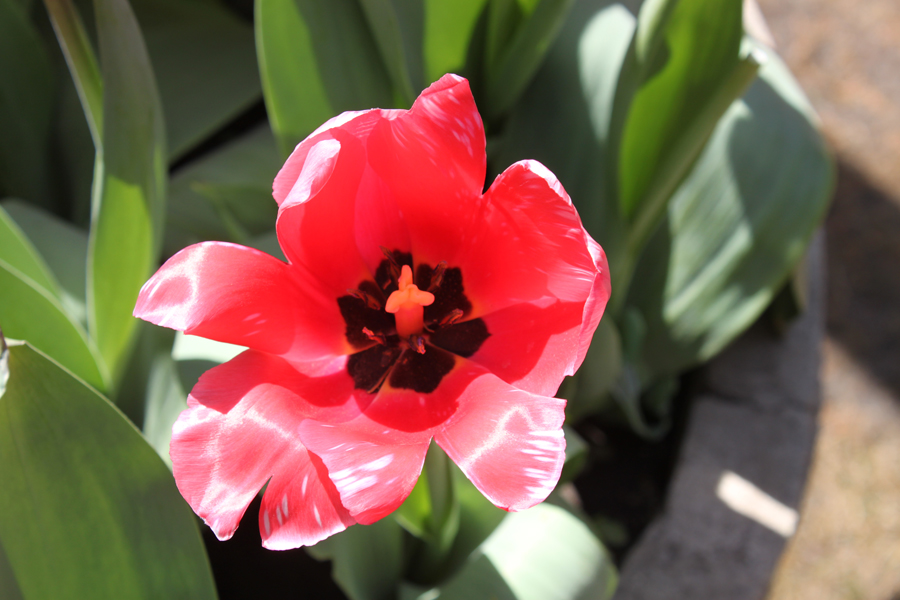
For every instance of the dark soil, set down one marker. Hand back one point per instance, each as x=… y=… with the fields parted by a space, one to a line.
x=627 y=477
x=244 y=569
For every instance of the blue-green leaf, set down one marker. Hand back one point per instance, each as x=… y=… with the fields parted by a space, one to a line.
x=31 y=307
x=544 y=553
x=226 y=195
x=204 y=59
x=366 y=560
x=20 y=254
x=87 y=509
x=736 y=227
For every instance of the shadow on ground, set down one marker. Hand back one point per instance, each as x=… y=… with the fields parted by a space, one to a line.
x=864 y=275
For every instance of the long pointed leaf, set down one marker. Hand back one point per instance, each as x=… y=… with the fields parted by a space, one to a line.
x=82 y=61
x=129 y=185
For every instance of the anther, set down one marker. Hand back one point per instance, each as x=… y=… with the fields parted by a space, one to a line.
x=450 y=318
x=417 y=343
x=370 y=300
x=437 y=276
x=395 y=266
x=375 y=337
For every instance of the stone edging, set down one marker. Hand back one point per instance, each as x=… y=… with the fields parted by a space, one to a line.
x=756 y=416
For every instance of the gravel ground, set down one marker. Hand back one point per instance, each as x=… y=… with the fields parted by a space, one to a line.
x=846 y=55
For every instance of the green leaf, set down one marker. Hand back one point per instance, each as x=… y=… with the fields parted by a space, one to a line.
x=397 y=26
x=736 y=226
x=18 y=253
x=87 y=509
x=129 y=183
x=226 y=195
x=366 y=560
x=577 y=452
x=512 y=65
x=544 y=553
x=599 y=373
x=166 y=399
x=31 y=308
x=26 y=107
x=76 y=46
x=204 y=59
x=316 y=59
x=448 y=29
x=562 y=119
x=63 y=247
x=682 y=71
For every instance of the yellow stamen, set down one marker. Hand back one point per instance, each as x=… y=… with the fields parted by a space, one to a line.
x=407 y=304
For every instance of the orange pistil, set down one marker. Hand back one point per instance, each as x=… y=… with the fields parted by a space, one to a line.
x=408 y=304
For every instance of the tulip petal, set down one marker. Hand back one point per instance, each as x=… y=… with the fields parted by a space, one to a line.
x=301 y=510
x=507 y=441
x=531 y=347
x=335 y=213
x=240 y=430
x=596 y=304
x=530 y=245
x=373 y=467
x=238 y=295
x=432 y=159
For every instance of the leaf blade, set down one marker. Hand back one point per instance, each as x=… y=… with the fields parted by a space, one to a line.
x=129 y=183
x=61 y=435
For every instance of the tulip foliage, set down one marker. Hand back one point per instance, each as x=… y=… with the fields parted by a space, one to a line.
x=400 y=242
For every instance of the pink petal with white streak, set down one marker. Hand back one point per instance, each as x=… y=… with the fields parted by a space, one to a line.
x=507 y=441
x=373 y=467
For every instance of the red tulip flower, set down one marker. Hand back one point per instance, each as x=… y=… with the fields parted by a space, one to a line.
x=412 y=307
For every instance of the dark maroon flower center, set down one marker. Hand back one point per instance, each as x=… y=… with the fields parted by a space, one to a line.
x=420 y=361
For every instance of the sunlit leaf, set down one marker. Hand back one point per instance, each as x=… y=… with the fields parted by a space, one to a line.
x=129 y=183
x=26 y=107
x=87 y=509
x=562 y=119
x=448 y=29
x=683 y=69
x=736 y=226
